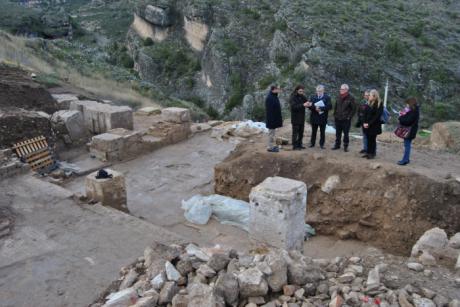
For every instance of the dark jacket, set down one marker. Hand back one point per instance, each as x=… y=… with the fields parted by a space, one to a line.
x=372 y=117
x=345 y=108
x=297 y=109
x=273 y=111
x=410 y=119
x=315 y=117
x=361 y=111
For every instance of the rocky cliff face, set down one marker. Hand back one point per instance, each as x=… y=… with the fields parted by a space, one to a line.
x=243 y=47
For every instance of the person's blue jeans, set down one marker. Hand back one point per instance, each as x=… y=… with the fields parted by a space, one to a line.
x=364 y=140
x=407 y=148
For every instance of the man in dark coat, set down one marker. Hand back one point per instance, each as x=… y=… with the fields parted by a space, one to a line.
x=319 y=105
x=344 y=110
x=274 y=119
x=296 y=102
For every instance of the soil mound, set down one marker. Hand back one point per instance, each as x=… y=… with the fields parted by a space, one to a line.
x=22 y=103
x=19 y=90
x=350 y=197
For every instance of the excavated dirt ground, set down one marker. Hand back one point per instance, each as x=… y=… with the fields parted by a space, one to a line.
x=389 y=207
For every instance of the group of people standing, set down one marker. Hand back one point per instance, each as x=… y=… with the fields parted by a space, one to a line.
x=370 y=119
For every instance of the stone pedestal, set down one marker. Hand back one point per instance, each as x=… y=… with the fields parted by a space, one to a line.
x=277 y=213
x=111 y=192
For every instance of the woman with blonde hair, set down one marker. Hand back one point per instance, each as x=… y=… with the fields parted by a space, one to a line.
x=372 y=124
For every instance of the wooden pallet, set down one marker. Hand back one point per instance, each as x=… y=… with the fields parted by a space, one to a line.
x=35 y=152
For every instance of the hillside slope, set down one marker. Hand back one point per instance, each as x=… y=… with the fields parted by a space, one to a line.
x=222 y=55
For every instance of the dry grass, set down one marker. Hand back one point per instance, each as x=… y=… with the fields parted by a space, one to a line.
x=14 y=51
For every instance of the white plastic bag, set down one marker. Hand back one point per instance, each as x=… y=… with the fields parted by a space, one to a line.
x=225 y=209
x=229 y=211
x=196 y=210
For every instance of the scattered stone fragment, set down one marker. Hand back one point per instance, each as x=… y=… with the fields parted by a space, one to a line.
x=423 y=302
x=427 y=259
x=147 y=301
x=171 y=273
x=124 y=297
x=180 y=300
x=258 y=300
x=434 y=241
x=441 y=301
x=373 y=279
x=415 y=266
x=454 y=242
x=428 y=293
x=129 y=279
x=167 y=292
x=278 y=266
x=402 y=299
x=346 y=278
x=193 y=250
x=289 y=290
x=158 y=282
x=299 y=294
x=330 y=184
x=454 y=303
x=228 y=288
x=201 y=295
x=252 y=283
x=206 y=271
x=218 y=261
x=336 y=302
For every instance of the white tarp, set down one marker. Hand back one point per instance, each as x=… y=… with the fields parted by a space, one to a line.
x=225 y=209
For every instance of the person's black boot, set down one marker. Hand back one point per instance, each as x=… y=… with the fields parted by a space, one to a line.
x=335 y=147
x=345 y=148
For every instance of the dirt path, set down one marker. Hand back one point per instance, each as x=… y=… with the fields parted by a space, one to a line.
x=430 y=163
x=61 y=253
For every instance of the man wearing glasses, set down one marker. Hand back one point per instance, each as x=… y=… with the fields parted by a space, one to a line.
x=344 y=110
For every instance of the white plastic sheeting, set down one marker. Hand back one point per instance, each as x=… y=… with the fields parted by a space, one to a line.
x=225 y=209
x=252 y=125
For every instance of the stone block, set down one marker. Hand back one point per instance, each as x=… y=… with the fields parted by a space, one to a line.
x=70 y=122
x=64 y=100
x=277 y=213
x=110 y=192
x=100 y=117
x=107 y=146
x=176 y=115
x=117 y=144
x=446 y=135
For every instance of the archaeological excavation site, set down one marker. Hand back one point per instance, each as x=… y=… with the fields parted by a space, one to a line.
x=106 y=205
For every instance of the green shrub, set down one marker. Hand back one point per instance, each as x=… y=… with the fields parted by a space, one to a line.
x=266 y=81
x=126 y=61
x=394 y=48
x=417 y=29
x=212 y=112
x=48 y=80
x=279 y=25
x=197 y=101
x=173 y=60
x=281 y=60
x=148 y=42
x=258 y=113
x=251 y=13
x=229 y=47
x=236 y=93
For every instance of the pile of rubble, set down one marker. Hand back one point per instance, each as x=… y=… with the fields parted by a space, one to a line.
x=10 y=165
x=181 y=276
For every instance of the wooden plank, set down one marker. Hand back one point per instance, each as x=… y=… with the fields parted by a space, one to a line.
x=38 y=162
x=33 y=158
x=42 y=165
